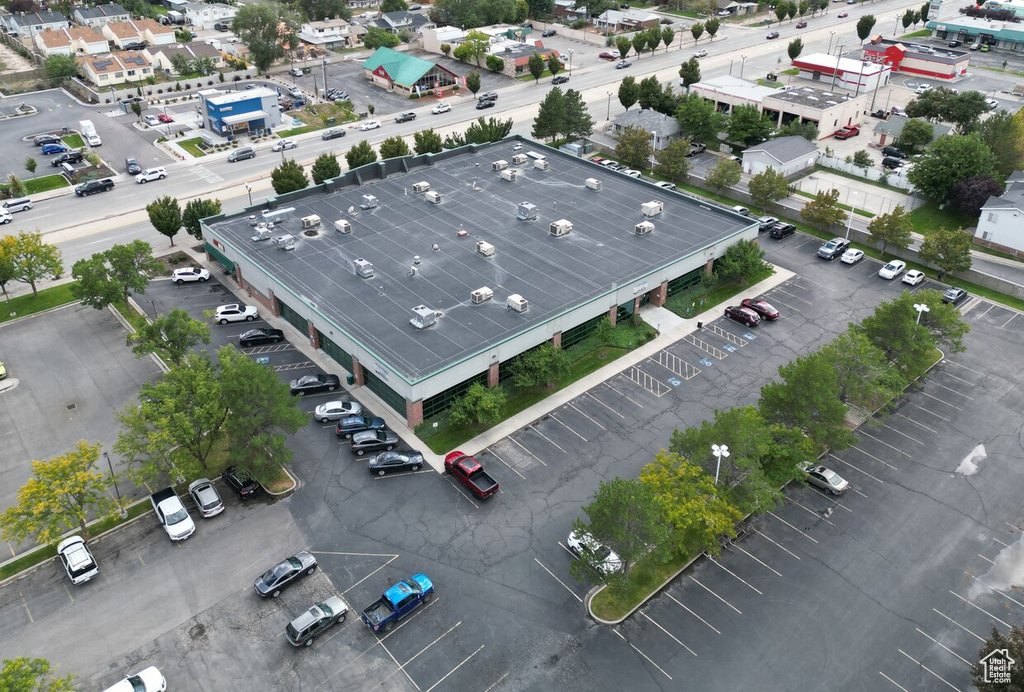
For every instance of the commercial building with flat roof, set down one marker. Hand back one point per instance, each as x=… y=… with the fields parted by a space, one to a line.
x=425 y=274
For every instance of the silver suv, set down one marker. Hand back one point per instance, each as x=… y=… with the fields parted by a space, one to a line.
x=302 y=630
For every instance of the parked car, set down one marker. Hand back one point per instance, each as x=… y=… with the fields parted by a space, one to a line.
x=285 y=573
x=333 y=133
x=400 y=460
x=405 y=117
x=189 y=274
x=66 y=157
x=158 y=173
x=131 y=166
x=893 y=152
x=397 y=602
x=833 y=248
x=236 y=312
x=891 y=162
x=336 y=410
x=91 y=187
x=743 y=315
x=764 y=309
x=824 y=478
x=847 y=132
x=913 y=277
x=954 y=295
x=772 y=36
x=258 y=337
x=164 y=118
x=350 y=425
x=765 y=223
x=632 y=173
x=306 y=627
x=992 y=104
x=373 y=441
x=206 y=497
x=852 y=256
x=441 y=107
x=55 y=148
x=560 y=79
x=222 y=26
x=480 y=105
x=923 y=89
x=782 y=230
x=622 y=64
x=370 y=125
x=696 y=148
x=955 y=44
x=295 y=72
x=609 y=55
x=239 y=481
x=314 y=384
x=665 y=185
x=77 y=559
x=892 y=270
x=40 y=140
x=147 y=680
x=284 y=144
x=594 y=553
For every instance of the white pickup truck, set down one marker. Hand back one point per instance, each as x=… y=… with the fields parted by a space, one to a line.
x=172 y=514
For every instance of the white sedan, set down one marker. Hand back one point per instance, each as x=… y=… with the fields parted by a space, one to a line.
x=370 y=125
x=913 y=277
x=440 y=108
x=852 y=256
x=236 y=312
x=336 y=410
x=184 y=274
x=282 y=144
x=147 y=680
x=150 y=120
x=892 y=270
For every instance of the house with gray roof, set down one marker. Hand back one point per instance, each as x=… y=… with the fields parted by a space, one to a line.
x=1001 y=224
x=663 y=128
x=32 y=23
x=787 y=155
x=888 y=131
x=99 y=15
x=394 y=22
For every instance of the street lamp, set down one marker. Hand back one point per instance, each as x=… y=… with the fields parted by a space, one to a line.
x=608 y=116
x=719 y=451
x=571 y=51
x=921 y=309
x=771 y=8
x=743 y=61
x=121 y=510
x=897 y=27
x=831 y=34
x=324 y=67
x=248 y=190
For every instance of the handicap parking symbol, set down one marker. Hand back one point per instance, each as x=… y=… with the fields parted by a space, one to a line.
x=729 y=347
x=263 y=359
x=706 y=362
x=674 y=381
x=749 y=337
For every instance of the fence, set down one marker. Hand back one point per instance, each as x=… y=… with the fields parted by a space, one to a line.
x=897 y=178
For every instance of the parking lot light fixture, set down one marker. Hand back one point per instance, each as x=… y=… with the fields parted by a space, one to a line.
x=248 y=191
x=719 y=451
x=921 y=309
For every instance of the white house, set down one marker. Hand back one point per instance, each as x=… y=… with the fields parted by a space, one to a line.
x=115 y=70
x=160 y=56
x=99 y=15
x=205 y=14
x=787 y=155
x=31 y=23
x=138 y=31
x=76 y=40
x=1001 y=224
x=331 y=33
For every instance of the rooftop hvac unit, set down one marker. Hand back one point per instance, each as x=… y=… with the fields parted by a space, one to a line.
x=652 y=208
x=364 y=269
x=311 y=221
x=541 y=164
x=499 y=165
x=644 y=228
x=285 y=242
x=342 y=226
x=517 y=302
x=252 y=219
x=368 y=202
x=263 y=233
x=481 y=295
x=484 y=248
x=593 y=184
x=518 y=159
x=420 y=187
x=433 y=197
x=278 y=214
x=422 y=317
x=509 y=174
x=560 y=227
x=526 y=212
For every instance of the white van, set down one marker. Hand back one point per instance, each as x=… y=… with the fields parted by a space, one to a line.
x=17 y=204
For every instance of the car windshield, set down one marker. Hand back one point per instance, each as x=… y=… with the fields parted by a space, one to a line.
x=179 y=516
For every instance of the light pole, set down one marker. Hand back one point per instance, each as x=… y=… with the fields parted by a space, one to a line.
x=571 y=51
x=831 y=35
x=608 y=116
x=248 y=191
x=897 y=27
x=771 y=8
x=743 y=61
x=921 y=309
x=719 y=451
x=853 y=208
x=323 y=65
x=730 y=68
x=113 y=478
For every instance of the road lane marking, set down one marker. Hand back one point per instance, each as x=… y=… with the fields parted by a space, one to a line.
x=979 y=608
x=980 y=639
x=764 y=535
x=713 y=629
x=462 y=663
x=924 y=667
x=639 y=652
x=944 y=646
x=586 y=416
x=555 y=418
x=668 y=633
x=493 y=454
x=557 y=579
x=802 y=533
x=714 y=594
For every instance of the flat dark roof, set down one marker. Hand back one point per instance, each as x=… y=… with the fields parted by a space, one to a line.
x=554 y=274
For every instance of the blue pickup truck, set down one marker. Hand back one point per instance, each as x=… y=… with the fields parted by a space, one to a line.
x=397 y=602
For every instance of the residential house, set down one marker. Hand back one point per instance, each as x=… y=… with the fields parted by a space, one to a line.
x=567 y=10
x=407 y=74
x=139 y=31
x=626 y=20
x=662 y=128
x=331 y=34
x=396 y=22
x=1001 y=224
x=161 y=56
x=787 y=155
x=888 y=131
x=204 y=15
x=516 y=56
x=98 y=15
x=31 y=23
x=116 y=69
x=71 y=41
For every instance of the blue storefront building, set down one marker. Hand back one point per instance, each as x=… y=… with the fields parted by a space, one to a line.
x=236 y=113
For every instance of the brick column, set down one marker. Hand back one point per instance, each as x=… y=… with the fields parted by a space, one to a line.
x=709 y=267
x=636 y=305
x=413 y=413
x=275 y=305
x=613 y=312
x=660 y=294
x=492 y=375
x=357 y=372
x=556 y=340
x=314 y=335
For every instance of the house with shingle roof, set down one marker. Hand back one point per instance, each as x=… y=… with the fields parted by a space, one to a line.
x=1001 y=224
x=663 y=128
x=161 y=56
x=207 y=14
x=98 y=15
x=69 y=41
x=332 y=33
x=395 y=71
x=787 y=155
x=139 y=31
x=395 y=22
x=889 y=130
x=31 y=23
x=113 y=70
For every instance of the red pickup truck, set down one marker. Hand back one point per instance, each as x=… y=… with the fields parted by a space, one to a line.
x=471 y=474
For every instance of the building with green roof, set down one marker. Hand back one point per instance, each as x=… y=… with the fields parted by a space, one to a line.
x=401 y=72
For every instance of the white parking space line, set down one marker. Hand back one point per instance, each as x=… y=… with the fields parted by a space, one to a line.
x=776 y=572
x=713 y=629
x=461 y=663
x=606 y=406
x=954 y=377
x=647 y=381
x=941 y=401
x=515 y=441
x=557 y=579
x=493 y=454
x=403 y=474
x=979 y=608
x=738 y=577
x=869 y=435
x=854 y=468
x=573 y=407
x=715 y=595
x=978 y=637
x=496 y=682
x=936 y=641
x=794 y=296
x=1005 y=545
x=535 y=429
x=715 y=353
x=900 y=432
x=956 y=391
x=814 y=513
x=555 y=418
x=994 y=589
x=960 y=365
x=623 y=395
x=869 y=454
x=893 y=681
x=391 y=559
x=930 y=412
x=674 y=638
x=991 y=562
x=924 y=667
x=648 y=658
x=417 y=654
x=802 y=533
x=777 y=545
x=911 y=420
x=457 y=487
x=1014 y=315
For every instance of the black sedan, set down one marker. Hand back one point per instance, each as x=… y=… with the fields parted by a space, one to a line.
x=284 y=574
x=764 y=309
x=387 y=462
x=954 y=296
x=239 y=481
x=40 y=140
x=350 y=425
x=373 y=441
x=258 y=337
x=315 y=384
x=484 y=104
x=742 y=314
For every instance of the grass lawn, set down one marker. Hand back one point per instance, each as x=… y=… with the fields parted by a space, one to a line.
x=73 y=141
x=650 y=572
x=29 y=304
x=917 y=34
x=929 y=218
x=192 y=147
x=318 y=120
x=44 y=183
x=843 y=174
x=297 y=131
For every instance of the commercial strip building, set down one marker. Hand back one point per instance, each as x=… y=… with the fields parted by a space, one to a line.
x=407 y=74
x=969 y=30
x=858 y=76
x=423 y=275
x=917 y=58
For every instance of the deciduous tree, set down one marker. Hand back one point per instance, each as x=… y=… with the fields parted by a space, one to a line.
x=795 y=48
x=196 y=210
x=864 y=377
x=31 y=259
x=699 y=119
x=748 y=125
x=908 y=343
x=265 y=28
x=60 y=66
x=325 y=167
x=427 y=142
x=864 y=26
x=807 y=397
x=480 y=404
x=725 y=173
x=950 y=251
x=1004 y=135
x=968 y=196
x=711 y=26
x=823 y=211
x=916 y=135
x=893 y=229
x=768 y=187
x=33 y=675
x=554 y=64
x=473 y=82
x=623 y=45
x=288 y=177
x=360 y=155
x=633 y=147
x=61 y=495
x=741 y=261
x=536 y=66
x=112 y=275
x=949 y=160
x=629 y=92
x=689 y=71
x=697 y=30
x=393 y=6
x=171 y=337
x=394 y=147
x=539 y=366
x=671 y=162
x=376 y=37
x=165 y=215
